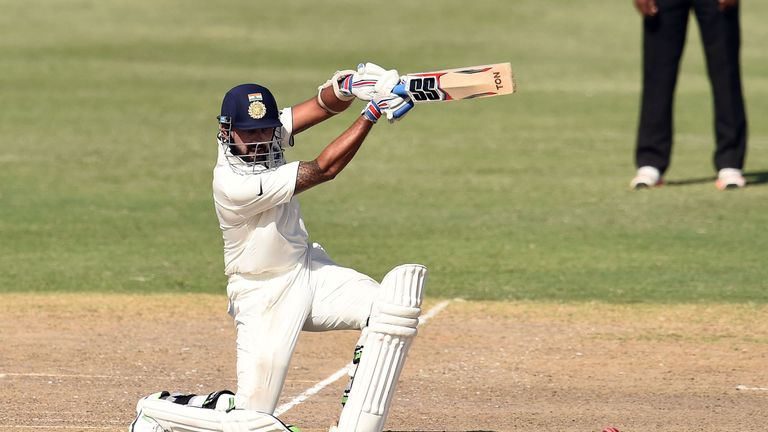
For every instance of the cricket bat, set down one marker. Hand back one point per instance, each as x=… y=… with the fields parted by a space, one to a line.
x=457 y=84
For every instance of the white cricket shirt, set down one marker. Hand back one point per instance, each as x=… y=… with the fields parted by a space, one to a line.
x=259 y=216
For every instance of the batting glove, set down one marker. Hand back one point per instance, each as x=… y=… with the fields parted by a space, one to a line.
x=391 y=105
x=362 y=83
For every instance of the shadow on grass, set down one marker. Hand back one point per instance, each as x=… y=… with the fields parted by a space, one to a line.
x=753 y=178
x=691 y=181
x=756 y=177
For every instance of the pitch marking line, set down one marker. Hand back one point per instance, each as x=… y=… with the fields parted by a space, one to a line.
x=112 y=377
x=47 y=375
x=343 y=371
x=743 y=387
x=59 y=427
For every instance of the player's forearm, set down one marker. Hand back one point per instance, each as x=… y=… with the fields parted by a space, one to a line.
x=334 y=158
x=310 y=112
x=338 y=153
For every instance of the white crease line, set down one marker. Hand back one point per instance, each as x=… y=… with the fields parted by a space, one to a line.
x=312 y=391
x=55 y=427
x=743 y=387
x=436 y=309
x=46 y=375
x=343 y=371
x=38 y=414
x=133 y=377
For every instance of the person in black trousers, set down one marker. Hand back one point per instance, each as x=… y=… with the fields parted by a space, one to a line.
x=664 y=30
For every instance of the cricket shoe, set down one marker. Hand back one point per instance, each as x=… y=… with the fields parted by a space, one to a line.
x=143 y=423
x=646 y=177
x=730 y=178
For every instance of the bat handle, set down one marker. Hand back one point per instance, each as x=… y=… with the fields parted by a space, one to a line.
x=400 y=90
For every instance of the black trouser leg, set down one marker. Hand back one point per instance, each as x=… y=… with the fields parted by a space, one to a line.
x=720 y=35
x=663 y=43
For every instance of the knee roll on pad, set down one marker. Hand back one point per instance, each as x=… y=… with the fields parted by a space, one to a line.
x=390 y=330
x=395 y=320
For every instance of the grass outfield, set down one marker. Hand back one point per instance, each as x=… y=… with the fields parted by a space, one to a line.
x=107 y=126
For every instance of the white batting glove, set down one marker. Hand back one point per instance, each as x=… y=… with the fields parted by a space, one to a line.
x=391 y=105
x=362 y=83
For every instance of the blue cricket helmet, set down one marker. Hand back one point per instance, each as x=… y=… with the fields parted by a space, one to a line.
x=249 y=106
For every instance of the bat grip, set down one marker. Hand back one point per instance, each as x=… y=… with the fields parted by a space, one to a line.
x=400 y=90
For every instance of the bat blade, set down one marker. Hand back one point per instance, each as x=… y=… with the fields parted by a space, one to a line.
x=458 y=84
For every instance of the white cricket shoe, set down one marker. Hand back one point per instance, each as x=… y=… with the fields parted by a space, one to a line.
x=646 y=177
x=143 y=423
x=730 y=178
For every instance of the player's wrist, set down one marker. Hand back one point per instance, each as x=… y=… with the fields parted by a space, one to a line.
x=330 y=96
x=371 y=112
x=330 y=103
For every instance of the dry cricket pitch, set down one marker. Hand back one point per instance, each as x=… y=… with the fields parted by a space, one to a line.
x=80 y=362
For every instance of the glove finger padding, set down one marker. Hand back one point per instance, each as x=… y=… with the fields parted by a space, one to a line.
x=392 y=105
x=370 y=69
x=398 y=109
x=397 y=106
x=363 y=83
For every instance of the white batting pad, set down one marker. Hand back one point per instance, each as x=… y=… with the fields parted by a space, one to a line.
x=391 y=329
x=181 y=418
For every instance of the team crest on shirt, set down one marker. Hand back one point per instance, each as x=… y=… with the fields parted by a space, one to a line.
x=257 y=109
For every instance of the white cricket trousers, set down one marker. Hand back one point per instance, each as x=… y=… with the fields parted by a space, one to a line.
x=269 y=313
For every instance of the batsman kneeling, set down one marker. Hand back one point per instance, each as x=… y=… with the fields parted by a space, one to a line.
x=280 y=284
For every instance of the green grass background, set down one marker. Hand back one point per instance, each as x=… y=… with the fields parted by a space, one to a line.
x=107 y=140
